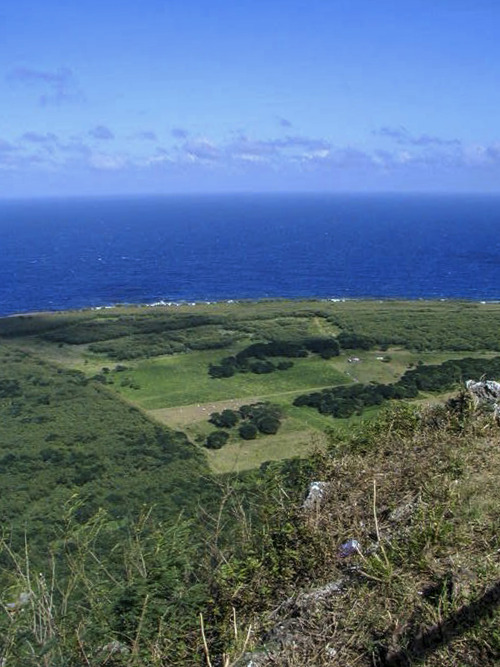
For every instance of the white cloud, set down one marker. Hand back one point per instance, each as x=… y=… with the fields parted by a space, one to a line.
x=107 y=162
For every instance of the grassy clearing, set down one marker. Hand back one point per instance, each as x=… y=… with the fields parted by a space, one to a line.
x=67 y=356
x=182 y=380
x=178 y=392
x=239 y=455
x=302 y=431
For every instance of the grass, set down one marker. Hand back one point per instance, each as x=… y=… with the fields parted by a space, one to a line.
x=183 y=379
x=418 y=490
x=177 y=391
x=239 y=455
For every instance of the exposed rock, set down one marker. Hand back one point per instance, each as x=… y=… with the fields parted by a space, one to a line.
x=330 y=651
x=113 y=648
x=486 y=392
x=403 y=512
x=319 y=596
x=21 y=601
x=317 y=492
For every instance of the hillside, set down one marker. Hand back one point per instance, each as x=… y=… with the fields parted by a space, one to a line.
x=280 y=583
x=394 y=562
x=111 y=492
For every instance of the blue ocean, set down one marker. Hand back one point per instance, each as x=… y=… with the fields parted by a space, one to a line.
x=75 y=253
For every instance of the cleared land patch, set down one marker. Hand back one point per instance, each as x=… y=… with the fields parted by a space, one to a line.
x=183 y=380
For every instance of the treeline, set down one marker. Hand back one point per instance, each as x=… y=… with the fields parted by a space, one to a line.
x=117 y=326
x=348 y=340
x=344 y=402
x=262 y=417
x=422 y=327
x=255 y=358
x=157 y=344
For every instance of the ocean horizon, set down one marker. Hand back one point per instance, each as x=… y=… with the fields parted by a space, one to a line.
x=61 y=254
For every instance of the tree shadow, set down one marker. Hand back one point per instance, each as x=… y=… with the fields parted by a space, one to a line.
x=419 y=647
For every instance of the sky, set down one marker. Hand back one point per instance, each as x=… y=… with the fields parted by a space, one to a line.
x=187 y=96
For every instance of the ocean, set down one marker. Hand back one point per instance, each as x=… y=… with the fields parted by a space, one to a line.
x=75 y=253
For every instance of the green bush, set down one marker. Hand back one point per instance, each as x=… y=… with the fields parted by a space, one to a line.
x=225 y=419
x=268 y=425
x=216 y=439
x=248 y=431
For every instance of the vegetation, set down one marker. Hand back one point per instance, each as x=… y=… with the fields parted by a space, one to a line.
x=63 y=434
x=119 y=546
x=415 y=488
x=225 y=419
x=217 y=439
x=254 y=358
x=414 y=491
x=346 y=401
x=264 y=418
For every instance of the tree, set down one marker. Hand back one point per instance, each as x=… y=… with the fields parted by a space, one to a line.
x=268 y=425
x=248 y=431
x=216 y=439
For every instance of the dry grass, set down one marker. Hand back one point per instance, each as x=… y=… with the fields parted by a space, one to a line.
x=419 y=493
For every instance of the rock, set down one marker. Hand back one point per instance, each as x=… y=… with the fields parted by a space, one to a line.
x=317 y=492
x=402 y=512
x=115 y=647
x=319 y=596
x=486 y=392
x=291 y=617
x=21 y=601
x=330 y=651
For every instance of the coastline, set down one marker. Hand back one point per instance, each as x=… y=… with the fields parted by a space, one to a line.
x=188 y=304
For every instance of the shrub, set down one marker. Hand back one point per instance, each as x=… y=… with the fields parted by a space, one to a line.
x=261 y=367
x=268 y=425
x=248 y=431
x=225 y=371
x=216 y=439
x=353 y=341
x=224 y=419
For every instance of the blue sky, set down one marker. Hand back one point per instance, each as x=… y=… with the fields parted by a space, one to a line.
x=187 y=96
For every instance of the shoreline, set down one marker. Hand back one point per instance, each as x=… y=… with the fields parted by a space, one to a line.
x=247 y=301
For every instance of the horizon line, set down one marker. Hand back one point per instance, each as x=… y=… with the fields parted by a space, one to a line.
x=254 y=193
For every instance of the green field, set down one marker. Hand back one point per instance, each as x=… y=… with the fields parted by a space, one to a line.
x=177 y=390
